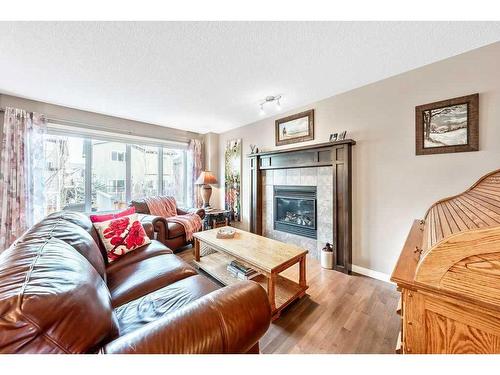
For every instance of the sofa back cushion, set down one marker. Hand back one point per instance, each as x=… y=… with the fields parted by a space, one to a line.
x=141 y=207
x=83 y=221
x=52 y=300
x=69 y=227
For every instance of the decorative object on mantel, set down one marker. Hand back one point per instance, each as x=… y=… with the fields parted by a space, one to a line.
x=327 y=256
x=254 y=149
x=447 y=126
x=206 y=179
x=295 y=128
x=338 y=156
x=226 y=233
x=232 y=178
x=334 y=137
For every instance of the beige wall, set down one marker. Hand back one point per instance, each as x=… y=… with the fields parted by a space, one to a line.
x=392 y=186
x=103 y=122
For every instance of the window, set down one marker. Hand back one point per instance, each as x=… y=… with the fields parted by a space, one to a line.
x=174 y=174
x=106 y=193
x=144 y=170
x=64 y=173
x=116 y=186
x=80 y=176
x=117 y=156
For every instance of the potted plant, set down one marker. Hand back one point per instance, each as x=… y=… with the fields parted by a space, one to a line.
x=327 y=258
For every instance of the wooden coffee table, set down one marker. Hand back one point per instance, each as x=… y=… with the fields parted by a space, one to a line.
x=268 y=257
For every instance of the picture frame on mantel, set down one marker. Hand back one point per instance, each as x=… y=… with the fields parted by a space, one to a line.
x=295 y=128
x=447 y=126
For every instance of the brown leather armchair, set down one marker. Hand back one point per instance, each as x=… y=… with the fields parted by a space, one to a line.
x=170 y=234
x=58 y=294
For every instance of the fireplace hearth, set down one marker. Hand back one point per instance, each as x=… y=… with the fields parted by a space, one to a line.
x=295 y=210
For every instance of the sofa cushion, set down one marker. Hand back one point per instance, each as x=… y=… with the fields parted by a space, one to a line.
x=153 y=306
x=175 y=230
x=151 y=250
x=122 y=235
x=77 y=236
x=52 y=300
x=137 y=279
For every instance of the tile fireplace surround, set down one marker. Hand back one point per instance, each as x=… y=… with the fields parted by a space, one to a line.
x=328 y=166
x=321 y=178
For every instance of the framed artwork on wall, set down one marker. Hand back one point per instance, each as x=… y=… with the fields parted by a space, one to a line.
x=232 y=178
x=447 y=126
x=295 y=128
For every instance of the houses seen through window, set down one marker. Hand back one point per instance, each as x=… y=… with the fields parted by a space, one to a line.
x=83 y=174
x=108 y=196
x=117 y=156
x=64 y=173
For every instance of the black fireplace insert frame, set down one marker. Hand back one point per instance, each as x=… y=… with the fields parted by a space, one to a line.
x=299 y=193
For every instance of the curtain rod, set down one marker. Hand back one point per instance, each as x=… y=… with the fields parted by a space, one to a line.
x=105 y=128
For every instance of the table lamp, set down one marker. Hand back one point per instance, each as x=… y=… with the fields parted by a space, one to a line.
x=206 y=179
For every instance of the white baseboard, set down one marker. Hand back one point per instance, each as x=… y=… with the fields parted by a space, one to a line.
x=371 y=273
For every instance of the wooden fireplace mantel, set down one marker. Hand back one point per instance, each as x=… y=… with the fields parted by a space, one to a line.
x=338 y=155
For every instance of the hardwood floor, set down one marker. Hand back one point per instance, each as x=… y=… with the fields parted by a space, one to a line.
x=340 y=314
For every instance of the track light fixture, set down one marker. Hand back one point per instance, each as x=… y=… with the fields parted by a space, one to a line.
x=270 y=99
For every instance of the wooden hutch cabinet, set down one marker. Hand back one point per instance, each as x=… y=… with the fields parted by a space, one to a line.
x=449 y=275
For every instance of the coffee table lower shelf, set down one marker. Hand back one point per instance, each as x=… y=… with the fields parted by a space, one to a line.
x=286 y=290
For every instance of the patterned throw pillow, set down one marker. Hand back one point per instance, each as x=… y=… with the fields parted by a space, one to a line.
x=121 y=235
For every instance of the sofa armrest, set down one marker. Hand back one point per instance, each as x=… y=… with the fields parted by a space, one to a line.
x=149 y=229
x=199 y=211
x=229 y=320
x=159 y=224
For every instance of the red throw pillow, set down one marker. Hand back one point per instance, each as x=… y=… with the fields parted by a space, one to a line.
x=121 y=235
x=106 y=217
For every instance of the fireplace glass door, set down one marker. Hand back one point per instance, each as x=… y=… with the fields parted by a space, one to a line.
x=295 y=210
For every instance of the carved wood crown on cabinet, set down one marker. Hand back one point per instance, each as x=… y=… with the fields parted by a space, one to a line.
x=449 y=274
x=338 y=155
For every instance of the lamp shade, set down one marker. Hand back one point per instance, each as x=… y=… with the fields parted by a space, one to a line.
x=206 y=178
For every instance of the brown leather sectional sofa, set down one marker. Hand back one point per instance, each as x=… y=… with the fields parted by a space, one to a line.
x=170 y=234
x=59 y=295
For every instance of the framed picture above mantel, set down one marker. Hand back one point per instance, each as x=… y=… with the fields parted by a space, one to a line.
x=295 y=128
x=447 y=126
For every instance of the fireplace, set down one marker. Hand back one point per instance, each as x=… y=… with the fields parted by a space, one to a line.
x=295 y=210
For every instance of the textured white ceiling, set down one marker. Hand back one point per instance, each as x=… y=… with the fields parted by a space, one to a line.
x=210 y=76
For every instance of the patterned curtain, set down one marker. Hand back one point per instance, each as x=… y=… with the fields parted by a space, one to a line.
x=21 y=173
x=196 y=166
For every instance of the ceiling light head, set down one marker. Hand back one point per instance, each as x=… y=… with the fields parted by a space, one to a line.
x=262 y=109
x=271 y=99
